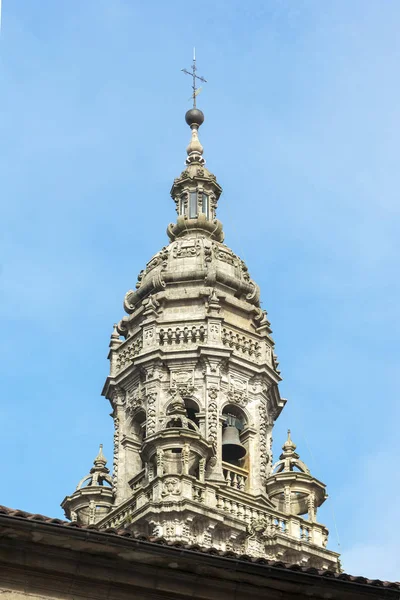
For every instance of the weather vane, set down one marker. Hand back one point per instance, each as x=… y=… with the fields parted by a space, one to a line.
x=192 y=73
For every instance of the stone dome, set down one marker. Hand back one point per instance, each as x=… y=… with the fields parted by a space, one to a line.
x=194 y=261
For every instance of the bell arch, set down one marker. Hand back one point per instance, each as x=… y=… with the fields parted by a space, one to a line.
x=234 y=423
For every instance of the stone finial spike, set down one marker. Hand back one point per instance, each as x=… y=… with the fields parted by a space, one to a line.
x=115 y=341
x=289 y=446
x=100 y=460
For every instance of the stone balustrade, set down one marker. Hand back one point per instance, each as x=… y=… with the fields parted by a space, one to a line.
x=177 y=487
x=293 y=526
x=240 y=343
x=235 y=477
x=181 y=335
x=128 y=350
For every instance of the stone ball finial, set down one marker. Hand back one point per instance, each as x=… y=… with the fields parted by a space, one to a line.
x=194 y=116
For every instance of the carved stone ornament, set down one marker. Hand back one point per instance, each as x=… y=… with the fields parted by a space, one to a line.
x=116 y=454
x=215 y=332
x=263 y=417
x=139 y=278
x=171 y=487
x=260 y=528
x=118 y=396
x=237 y=393
x=237 y=397
x=181 y=378
x=213 y=393
x=213 y=418
x=135 y=401
x=151 y=306
x=186 y=249
x=151 y=413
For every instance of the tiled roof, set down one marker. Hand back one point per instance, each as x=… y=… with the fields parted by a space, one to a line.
x=124 y=533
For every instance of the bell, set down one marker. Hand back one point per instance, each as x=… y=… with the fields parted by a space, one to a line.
x=232 y=449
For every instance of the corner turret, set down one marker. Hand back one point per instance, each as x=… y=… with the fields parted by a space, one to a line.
x=93 y=497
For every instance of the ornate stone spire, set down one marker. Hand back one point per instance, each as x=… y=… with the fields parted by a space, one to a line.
x=196 y=191
x=100 y=464
x=195 y=353
x=293 y=487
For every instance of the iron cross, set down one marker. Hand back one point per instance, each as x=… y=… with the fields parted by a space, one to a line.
x=193 y=74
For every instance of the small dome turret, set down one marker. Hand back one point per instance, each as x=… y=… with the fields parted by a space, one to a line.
x=93 y=496
x=291 y=487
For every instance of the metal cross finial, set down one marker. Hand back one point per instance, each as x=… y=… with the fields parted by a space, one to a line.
x=193 y=74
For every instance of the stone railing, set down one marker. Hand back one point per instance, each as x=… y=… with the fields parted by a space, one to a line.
x=235 y=477
x=182 y=335
x=177 y=488
x=164 y=336
x=240 y=343
x=198 y=493
x=128 y=350
x=293 y=526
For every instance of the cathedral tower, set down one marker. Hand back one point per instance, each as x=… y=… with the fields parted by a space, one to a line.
x=193 y=386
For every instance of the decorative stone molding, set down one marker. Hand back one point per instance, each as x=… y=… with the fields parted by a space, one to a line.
x=127 y=352
x=262 y=428
x=116 y=453
x=171 y=487
x=151 y=414
x=149 y=336
x=182 y=379
x=187 y=249
x=135 y=401
x=212 y=414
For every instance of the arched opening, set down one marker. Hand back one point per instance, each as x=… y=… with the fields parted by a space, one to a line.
x=234 y=449
x=192 y=410
x=138 y=430
x=139 y=425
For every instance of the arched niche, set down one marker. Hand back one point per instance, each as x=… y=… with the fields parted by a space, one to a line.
x=192 y=410
x=234 y=418
x=240 y=411
x=138 y=425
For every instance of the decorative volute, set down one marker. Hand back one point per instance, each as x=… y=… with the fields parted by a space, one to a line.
x=291 y=486
x=93 y=496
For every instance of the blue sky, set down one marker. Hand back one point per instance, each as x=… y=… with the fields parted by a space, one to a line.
x=302 y=128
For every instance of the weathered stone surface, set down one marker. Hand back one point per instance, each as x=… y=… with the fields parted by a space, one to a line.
x=194 y=352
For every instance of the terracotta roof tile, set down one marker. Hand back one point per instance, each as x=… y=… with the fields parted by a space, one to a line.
x=20 y=514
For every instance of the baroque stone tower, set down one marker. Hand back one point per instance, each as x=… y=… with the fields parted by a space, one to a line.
x=193 y=386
